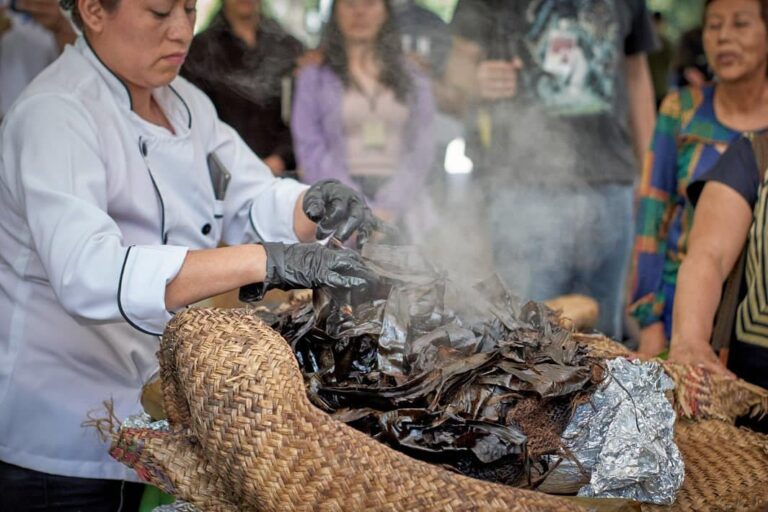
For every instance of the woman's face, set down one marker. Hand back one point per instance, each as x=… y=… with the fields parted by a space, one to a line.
x=360 y=20
x=144 y=42
x=735 y=39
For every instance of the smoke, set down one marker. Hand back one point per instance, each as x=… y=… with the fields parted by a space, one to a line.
x=459 y=242
x=558 y=135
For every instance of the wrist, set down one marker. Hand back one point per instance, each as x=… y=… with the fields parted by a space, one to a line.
x=693 y=344
x=303 y=226
x=257 y=269
x=274 y=261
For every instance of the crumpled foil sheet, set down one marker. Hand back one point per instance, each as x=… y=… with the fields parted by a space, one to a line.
x=179 y=506
x=144 y=421
x=624 y=437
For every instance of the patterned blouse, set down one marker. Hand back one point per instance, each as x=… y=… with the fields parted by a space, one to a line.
x=687 y=141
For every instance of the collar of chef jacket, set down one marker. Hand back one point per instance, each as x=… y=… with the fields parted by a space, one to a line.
x=173 y=104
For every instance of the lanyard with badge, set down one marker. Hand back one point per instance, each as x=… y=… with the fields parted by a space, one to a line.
x=374 y=130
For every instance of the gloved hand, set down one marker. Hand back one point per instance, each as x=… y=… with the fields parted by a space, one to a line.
x=338 y=210
x=291 y=266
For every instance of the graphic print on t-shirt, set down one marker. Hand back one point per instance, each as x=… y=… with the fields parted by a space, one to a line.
x=575 y=47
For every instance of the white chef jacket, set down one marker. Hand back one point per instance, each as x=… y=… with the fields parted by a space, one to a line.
x=99 y=209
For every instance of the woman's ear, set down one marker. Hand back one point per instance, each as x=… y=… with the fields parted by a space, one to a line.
x=93 y=15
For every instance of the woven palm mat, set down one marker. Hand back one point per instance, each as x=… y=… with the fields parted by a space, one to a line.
x=726 y=468
x=245 y=436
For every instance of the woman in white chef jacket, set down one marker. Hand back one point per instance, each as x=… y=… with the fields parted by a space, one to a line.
x=117 y=183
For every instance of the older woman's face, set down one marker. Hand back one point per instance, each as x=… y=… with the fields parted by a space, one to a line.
x=735 y=39
x=145 y=41
x=360 y=20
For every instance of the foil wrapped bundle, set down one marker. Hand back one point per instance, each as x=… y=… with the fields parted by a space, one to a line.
x=623 y=438
x=144 y=421
x=179 y=506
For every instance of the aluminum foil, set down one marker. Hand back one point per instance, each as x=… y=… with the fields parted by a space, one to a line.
x=624 y=438
x=144 y=421
x=179 y=506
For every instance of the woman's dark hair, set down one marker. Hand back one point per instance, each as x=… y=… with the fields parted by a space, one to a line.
x=72 y=7
x=763 y=9
x=388 y=50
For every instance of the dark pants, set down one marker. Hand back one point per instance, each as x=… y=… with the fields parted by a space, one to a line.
x=23 y=490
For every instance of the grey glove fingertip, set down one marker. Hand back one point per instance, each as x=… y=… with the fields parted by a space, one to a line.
x=322 y=232
x=335 y=280
x=350 y=226
x=313 y=209
x=355 y=219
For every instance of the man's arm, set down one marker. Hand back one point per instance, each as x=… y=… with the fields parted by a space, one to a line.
x=642 y=111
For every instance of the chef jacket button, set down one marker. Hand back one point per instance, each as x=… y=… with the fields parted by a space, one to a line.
x=206 y=229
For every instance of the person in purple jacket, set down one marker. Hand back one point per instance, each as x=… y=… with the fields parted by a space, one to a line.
x=364 y=115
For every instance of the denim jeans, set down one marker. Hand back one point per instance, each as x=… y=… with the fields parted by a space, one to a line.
x=25 y=490
x=551 y=241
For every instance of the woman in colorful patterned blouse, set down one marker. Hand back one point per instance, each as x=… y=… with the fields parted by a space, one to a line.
x=694 y=127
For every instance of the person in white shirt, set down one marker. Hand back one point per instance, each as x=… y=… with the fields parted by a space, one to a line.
x=118 y=182
x=30 y=39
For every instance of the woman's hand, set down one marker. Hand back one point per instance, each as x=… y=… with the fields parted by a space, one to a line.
x=698 y=353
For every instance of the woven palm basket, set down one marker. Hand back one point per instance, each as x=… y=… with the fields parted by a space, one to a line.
x=245 y=437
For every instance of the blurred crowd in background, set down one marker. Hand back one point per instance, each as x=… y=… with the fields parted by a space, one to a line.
x=540 y=139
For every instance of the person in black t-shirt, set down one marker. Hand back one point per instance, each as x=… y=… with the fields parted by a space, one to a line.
x=725 y=200
x=562 y=111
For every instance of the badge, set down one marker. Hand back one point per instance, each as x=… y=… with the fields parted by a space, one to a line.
x=560 y=57
x=374 y=134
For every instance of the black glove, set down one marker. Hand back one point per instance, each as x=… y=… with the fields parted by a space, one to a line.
x=338 y=210
x=309 y=266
